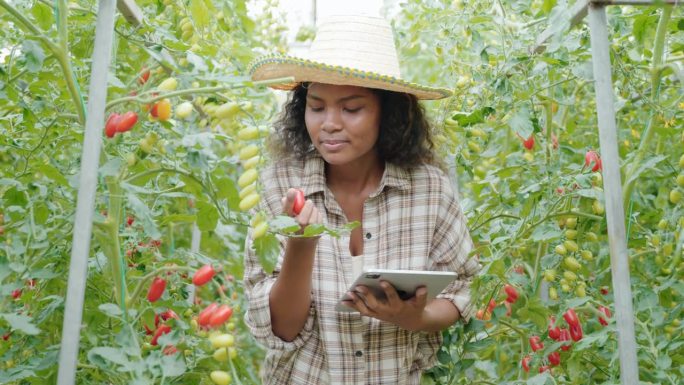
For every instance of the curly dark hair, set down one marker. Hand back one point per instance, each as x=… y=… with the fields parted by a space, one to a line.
x=405 y=137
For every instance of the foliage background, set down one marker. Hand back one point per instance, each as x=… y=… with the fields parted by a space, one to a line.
x=171 y=176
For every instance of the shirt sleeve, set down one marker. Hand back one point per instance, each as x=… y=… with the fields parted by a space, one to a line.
x=258 y=284
x=451 y=248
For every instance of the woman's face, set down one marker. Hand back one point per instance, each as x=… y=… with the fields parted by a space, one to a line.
x=343 y=122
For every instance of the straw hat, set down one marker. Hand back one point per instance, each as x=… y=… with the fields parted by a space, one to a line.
x=348 y=50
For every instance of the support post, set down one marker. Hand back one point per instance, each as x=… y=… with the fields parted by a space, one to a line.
x=83 y=223
x=615 y=214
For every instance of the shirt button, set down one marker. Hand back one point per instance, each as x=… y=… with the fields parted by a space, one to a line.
x=368 y=235
x=358 y=353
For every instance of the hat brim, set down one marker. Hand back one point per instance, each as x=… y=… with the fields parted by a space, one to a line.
x=303 y=70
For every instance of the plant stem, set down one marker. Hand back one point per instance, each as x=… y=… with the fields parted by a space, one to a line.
x=647 y=137
x=191 y=91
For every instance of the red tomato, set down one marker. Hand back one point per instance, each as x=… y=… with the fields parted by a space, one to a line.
x=554 y=332
x=221 y=315
x=16 y=293
x=144 y=76
x=203 y=275
x=605 y=311
x=163 y=316
x=536 y=344
x=576 y=332
x=564 y=336
x=571 y=317
x=112 y=123
x=162 y=329
x=127 y=121
x=592 y=158
x=526 y=363
x=205 y=315
x=156 y=289
x=491 y=306
x=129 y=220
x=511 y=292
x=169 y=350
x=298 y=202
x=529 y=143
x=544 y=368
x=554 y=359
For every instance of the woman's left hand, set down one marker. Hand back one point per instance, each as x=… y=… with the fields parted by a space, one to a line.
x=407 y=314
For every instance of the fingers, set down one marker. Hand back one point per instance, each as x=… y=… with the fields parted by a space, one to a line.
x=308 y=214
x=420 y=299
x=288 y=201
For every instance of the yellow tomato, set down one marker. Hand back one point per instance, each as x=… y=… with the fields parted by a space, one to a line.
x=219 y=377
x=249 y=201
x=168 y=84
x=248 y=177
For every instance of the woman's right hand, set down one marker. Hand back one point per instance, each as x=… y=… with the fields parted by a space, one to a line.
x=308 y=214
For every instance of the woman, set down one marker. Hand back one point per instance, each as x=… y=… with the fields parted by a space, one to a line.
x=354 y=138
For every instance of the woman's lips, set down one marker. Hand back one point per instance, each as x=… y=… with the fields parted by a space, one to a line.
x=333 y=145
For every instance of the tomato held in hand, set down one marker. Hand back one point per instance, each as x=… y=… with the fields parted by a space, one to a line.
x=156 y=289
x=203 y=275
x=299 y=201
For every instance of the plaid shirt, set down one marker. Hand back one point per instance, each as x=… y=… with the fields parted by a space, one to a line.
x=413 y=221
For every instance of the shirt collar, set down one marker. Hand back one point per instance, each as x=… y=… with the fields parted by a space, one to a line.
x=313 y=180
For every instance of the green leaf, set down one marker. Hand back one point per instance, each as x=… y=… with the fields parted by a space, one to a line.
x=521 y=123
x=226 y=190
x=42 y=14
x=103 y=355
x=534 y=311
x=545 y=232
x=267 y=248
x=200 y=13
x=53 y=173
x=143 y=213
x=21 y=323
x=643 y=166
x=111 y=168
x=172 y=365
x=34 y=55
x=283 y=224
x=207 y=216
x=478 y=116
x=313 y=230
x=478 y=346
x=177 y=218
x=110 y=309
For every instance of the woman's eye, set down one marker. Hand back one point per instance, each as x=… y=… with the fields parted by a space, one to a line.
x=316 y=109
x=353 y=110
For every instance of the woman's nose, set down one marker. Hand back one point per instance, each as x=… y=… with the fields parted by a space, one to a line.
x=332 y=121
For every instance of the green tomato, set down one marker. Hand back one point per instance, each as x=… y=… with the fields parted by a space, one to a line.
x=219 y=377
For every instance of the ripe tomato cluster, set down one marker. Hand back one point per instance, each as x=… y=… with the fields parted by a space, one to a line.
x=117 y=123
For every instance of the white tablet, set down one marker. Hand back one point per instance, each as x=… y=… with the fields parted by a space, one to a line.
x=405 y=282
